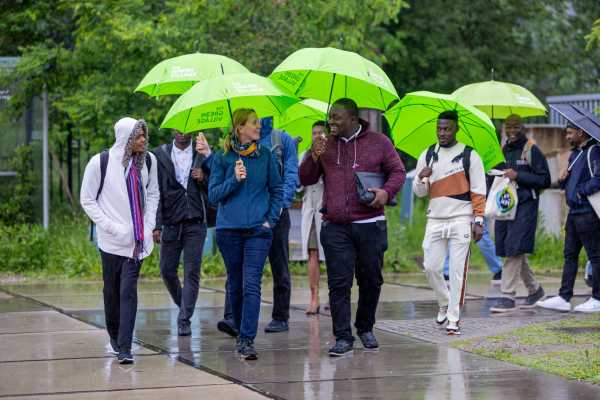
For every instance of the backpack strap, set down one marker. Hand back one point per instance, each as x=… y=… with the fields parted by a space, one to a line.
x=431 y=156
x=277 y=147
x=526 y=153
x=466 y=160
x=103 y=166
x=589 y=159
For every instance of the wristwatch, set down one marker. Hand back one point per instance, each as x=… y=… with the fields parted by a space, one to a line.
x=479 y=221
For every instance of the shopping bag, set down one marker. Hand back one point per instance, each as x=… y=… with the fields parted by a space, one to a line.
x=502 y=201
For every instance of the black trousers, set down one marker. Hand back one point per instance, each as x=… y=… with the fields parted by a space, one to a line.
x=279 y=261
x=354 y=250
x=187 y=237
x=581 y=230
x=120 y=275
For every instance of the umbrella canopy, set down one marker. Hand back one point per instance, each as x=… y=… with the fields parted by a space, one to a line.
x=413 y=122
x=176 y=75
x=580 y=117
x=210 y=103
x=329 y=74
x=299 y=118
x=500 y=99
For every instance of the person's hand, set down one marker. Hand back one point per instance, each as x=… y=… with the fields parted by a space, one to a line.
x=156 y=235
x=202 y=145
x=425 y=173
x=240 y=171
x=510 y=174
x=477 y=232
x=381 y=198
x=197 y=174
x=564 y=175
x=318 y=147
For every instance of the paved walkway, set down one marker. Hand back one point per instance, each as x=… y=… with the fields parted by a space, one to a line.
x=52 y=347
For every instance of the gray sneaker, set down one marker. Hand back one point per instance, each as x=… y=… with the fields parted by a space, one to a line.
x=369 y=341
x=530 y=301
x=503 y=305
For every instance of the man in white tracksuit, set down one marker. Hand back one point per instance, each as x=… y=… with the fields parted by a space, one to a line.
x=119 y=193
x=453 y=177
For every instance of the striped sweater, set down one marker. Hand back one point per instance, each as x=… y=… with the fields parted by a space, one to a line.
x=451 y=195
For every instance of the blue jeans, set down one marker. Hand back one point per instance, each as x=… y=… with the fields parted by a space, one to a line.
x=245 y=252
x=488 y=249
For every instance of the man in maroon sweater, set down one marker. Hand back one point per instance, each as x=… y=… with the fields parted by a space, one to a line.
x=353 y=235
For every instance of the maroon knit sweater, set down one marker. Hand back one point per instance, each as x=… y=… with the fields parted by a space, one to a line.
x=369 y=151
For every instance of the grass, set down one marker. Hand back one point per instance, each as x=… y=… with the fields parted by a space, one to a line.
x=569 y=347
x=66 y=252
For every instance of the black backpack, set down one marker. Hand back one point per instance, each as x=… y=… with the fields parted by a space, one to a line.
x=465 y=156
x=103 y=166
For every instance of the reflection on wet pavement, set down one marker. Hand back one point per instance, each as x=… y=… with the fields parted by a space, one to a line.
x=291 y=365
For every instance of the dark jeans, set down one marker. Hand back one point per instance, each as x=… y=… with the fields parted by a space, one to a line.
x=188 y=237
x=120 y=276
x=244 y=252
x=582 y=230
x=279 y=260
x=354 y=249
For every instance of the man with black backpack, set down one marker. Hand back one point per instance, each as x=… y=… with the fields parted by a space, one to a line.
x=120 y=194
x=181 y=219
x=453 y=177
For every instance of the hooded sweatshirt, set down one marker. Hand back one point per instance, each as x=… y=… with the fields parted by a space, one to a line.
x=368 y=151
x=111 y=212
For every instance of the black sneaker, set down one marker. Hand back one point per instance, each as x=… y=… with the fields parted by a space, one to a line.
x=125 y=357
x=246 y=349
x=114 y=346
x=503 y=305
x=369 y=341
x=530 y=301
x=184 y=328
x=227 y=326
x=342 y=347
x=497 y=277
x=276 y=326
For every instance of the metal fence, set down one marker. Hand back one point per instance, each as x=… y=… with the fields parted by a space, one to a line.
x=589 y=101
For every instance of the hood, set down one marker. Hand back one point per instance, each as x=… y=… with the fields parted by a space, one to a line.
x=124 y=135
x=266 y=126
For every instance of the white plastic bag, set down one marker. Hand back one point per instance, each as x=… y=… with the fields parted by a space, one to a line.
x=594 y=199
x=502 y=201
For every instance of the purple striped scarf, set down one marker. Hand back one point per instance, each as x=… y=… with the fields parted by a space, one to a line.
x=136 y=199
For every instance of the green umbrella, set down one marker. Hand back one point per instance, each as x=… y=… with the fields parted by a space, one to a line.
x=328 y=74
x=500 y=99
x=299 y=119
x=413 y=122
x=210 y=103
x=176 y=75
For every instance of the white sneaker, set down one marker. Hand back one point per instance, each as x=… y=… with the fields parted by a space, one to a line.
x=452 y=329
x=590 y=306
x=555 y=303
x=442 y=315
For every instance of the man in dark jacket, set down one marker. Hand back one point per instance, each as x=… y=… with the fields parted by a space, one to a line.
x=181 y=220
x=580 y=180
x=528 y=168
x=353 y=234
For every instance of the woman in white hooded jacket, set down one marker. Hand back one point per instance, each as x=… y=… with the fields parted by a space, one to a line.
x=123 y=207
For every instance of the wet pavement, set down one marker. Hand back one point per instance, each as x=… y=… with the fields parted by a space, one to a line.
x=52 y=346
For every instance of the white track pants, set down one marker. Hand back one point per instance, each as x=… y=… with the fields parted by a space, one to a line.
x=441 y=236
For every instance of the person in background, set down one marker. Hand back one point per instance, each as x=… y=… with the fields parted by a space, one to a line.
x=121 y=198
x=353 y=234
x=580 y=180
x=312 y=202
x=453 y=177
x=246 y=185
x=181 y=221
x=527 y=167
